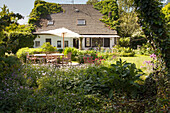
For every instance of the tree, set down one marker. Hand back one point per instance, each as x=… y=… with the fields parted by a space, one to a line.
x=91 y=2
x=6 y=19
x=166 y=12
x=109 y=9
x=153 y=24
x=14 y=36
x=127 y=18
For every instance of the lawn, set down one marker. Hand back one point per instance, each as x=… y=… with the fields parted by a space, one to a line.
x=138 y=60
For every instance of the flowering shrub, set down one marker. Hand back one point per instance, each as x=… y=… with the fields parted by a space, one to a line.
x=149 y=65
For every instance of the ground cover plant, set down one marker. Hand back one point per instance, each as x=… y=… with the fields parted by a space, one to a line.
x=74 y=89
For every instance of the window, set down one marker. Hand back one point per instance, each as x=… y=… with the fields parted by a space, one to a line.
x=50 y=22
x=81 y=22
x=97 y=42
x=37 y=43
x=48 y=40
x=87 y=42
x=106 y=42
x=65 y=43
x=58 y=44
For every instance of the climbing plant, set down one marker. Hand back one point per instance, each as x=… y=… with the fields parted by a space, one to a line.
x=42 y=9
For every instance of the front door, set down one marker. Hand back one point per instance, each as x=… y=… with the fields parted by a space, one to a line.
x=76 y=43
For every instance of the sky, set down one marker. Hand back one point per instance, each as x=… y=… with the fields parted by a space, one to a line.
x=24 y=7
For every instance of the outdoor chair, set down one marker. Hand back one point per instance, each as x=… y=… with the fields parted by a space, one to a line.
x=66 y=60
x=50 y=59
x=30 y=58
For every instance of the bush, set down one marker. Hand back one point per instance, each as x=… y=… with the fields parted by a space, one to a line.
x=124 y=51
x=146 y=49
x=73 y=50
x=138 y=40
x=124 y=42
x=47 y=47
x=21 y=53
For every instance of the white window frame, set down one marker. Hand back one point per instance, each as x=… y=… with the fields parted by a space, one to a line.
x=65 y=43
x=81 y=22
x=50 y=22
x=57 y=43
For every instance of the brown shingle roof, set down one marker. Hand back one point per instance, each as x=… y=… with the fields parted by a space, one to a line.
x=68 y=19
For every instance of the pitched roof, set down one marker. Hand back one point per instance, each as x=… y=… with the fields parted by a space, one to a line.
x=69 y=17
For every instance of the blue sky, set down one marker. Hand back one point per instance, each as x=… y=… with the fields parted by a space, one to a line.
x=24 y=7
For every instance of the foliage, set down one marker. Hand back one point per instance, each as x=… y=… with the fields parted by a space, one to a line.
x=127 y=18
x=91 y=2
x=47 y=47
x=14 y=36
x=124 y=42
x=21 y=53
x=166 y=12
x=49 y=89
x=109 y=9
x=137 y=40
x=154 y=26
x=73 y=50
x=127 y=24
x=7 y=19
x=123 y=51
x=41 y=9
x=25 y=39
x=145 y=49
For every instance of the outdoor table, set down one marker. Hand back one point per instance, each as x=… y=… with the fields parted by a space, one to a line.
x=52 y=54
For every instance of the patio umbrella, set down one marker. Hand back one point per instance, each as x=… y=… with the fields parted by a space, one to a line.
x=62 y=32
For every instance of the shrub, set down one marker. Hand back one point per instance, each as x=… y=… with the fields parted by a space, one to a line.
x=138 y=40
x=124 y=42
x=21 y=53
x=73 y=50
x=124 y=51
x=47 y=47
x=146 y=49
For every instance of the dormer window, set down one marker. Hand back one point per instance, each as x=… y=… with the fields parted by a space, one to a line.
x=81 y=22
x=50 y=22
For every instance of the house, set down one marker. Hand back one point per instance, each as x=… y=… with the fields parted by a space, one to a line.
x=82 y=19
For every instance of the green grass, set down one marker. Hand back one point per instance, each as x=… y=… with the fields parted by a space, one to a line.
x=138 y=60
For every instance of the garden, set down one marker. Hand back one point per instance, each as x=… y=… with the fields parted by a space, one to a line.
x=122 y=79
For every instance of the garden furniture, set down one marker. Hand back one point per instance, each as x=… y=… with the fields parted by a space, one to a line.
x=30 y=58
x=66 y=60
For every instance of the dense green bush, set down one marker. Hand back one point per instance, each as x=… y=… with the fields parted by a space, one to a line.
x=123 y=51
x=41 y=9
x=21 y=53
x=145 y=49
x=124 y=42
x=137 y=40
x=47 y=47
x=73 y=50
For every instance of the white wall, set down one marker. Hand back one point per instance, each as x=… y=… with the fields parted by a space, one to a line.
x=54 y=39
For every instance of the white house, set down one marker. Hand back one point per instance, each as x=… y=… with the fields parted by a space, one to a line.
x=82 y=19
